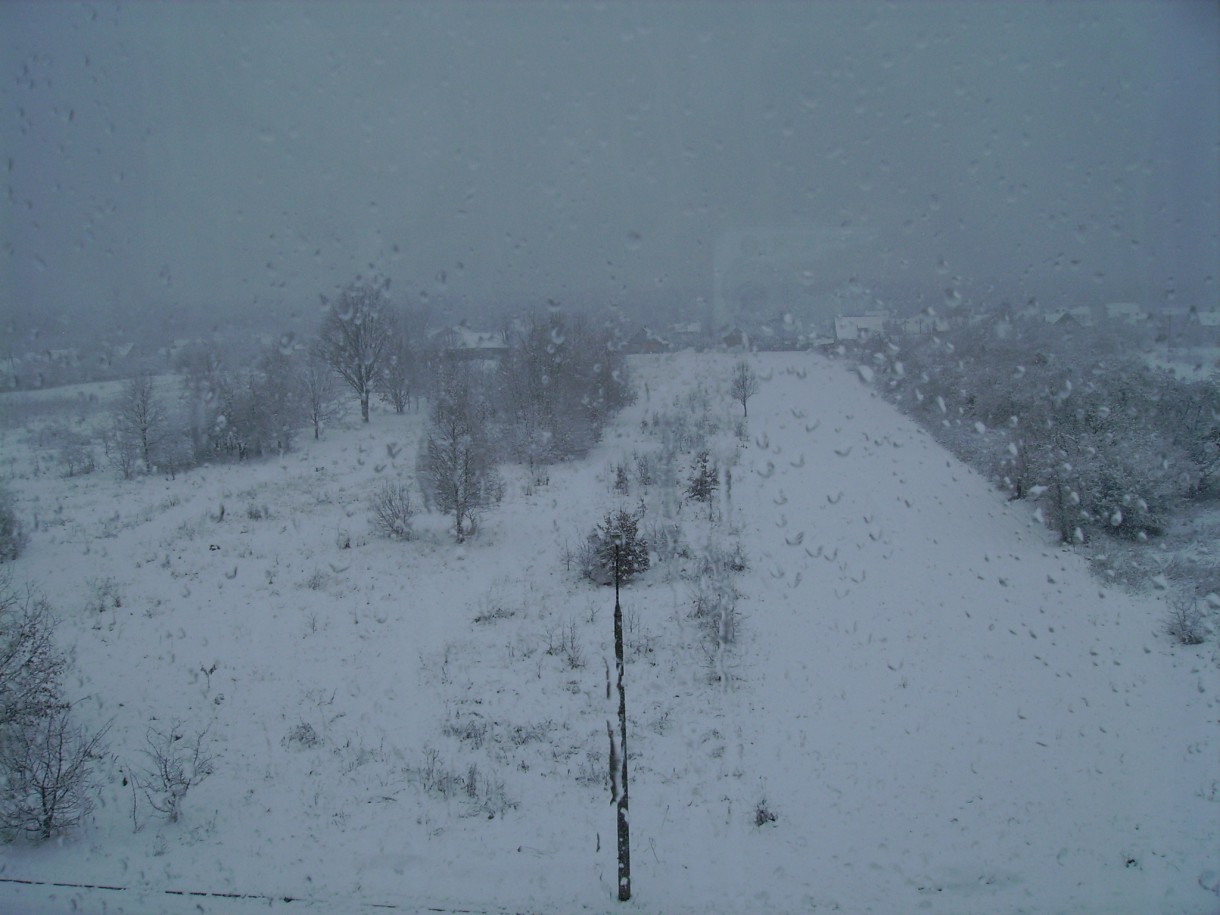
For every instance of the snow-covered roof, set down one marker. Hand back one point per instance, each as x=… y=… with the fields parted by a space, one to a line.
x=857 y=327
x=459 y=336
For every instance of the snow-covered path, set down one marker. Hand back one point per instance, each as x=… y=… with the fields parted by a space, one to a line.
x=945 y=703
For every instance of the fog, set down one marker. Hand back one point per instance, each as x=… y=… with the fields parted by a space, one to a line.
x=221 y=159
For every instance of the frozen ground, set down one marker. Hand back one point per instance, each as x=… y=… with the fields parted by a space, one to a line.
x=941 y=707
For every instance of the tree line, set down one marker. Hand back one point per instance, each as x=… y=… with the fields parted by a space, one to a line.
x=1076 y=420
x=544 y=397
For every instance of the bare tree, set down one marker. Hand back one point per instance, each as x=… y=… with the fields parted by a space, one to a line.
x=355 y=337
x=48 y=775
x=31 y=665
x=457 y=461
x=140 y=421
x=320 y=392
x=45 y=760
x=743 y=384
x=176 y=762
x=204 y=380
x=276 y=409
x=398 y=380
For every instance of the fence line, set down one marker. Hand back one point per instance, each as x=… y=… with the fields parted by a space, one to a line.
x=258 y=897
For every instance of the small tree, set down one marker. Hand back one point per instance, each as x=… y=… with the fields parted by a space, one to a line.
x=48 y=775
x=175 y=763
x=457 y=461
x=277 y=409
x=704 y=481
x=743 y=384
x=395 y=385
x=141 y=423
x=319 y=393
x=619 y=528
x=45 y=760
x=354 y=339
x=31 y=665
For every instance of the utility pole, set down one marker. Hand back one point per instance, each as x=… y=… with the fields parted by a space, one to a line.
x=618 y=780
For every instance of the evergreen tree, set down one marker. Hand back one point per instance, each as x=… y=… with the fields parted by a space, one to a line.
x=622 y=529
x=704 y=480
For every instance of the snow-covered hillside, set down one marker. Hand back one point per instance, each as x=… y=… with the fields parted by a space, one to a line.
x=941 y=708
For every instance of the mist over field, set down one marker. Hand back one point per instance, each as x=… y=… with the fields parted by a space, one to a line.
x=176 y=166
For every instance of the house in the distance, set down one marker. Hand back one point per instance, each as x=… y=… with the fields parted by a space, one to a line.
x=464 y=344
x=646 y=340
x=854 y=328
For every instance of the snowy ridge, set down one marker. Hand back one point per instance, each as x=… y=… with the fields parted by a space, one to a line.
x=942 y=708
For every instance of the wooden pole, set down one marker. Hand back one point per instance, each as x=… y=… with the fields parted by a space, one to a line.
x=624 y=837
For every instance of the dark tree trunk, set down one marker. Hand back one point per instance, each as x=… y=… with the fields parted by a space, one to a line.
x=624 y=831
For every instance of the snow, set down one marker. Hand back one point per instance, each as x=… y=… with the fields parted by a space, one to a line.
x=944 y=710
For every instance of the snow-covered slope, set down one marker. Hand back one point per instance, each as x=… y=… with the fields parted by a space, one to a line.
x=942 y=708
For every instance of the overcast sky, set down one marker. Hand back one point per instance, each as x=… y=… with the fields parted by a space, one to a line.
x=160 y=156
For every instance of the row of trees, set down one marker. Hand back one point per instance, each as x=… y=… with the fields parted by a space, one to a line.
x=546 y=396
x=1076 y=420
x=556 y=382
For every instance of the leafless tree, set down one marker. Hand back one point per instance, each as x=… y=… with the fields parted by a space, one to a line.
x=45 y=760
x=320 y=392
x=457 y=460
x=355 y=337
x=31 y=665
x=48 y=775
x=743 y=384
x=175 y=763
x=140 y=420
x=399 y=379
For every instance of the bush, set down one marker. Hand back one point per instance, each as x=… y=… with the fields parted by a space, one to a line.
x=1184 y=621
x=46 y=761
x=1109 y=445
x=392 y=511
x=619 y=529
x=763 y=814
x=31 y=665
x=48 y=775
x=12 y=536
x=76 y=458
x=175 y=763
x=704 y=480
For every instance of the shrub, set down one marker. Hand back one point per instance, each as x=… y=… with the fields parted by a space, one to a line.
x=1184 y=621
x=763 y=814
x=76 y=458
x=175 y=763
x=12 y=536
x=704 y=480
x=31 y=665
x=46 y=761
x=392 y=511
x=48 y=775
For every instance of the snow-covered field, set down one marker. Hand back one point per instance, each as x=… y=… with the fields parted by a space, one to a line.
x=941 y=707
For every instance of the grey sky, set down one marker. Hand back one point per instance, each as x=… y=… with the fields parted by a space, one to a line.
x=256 y=154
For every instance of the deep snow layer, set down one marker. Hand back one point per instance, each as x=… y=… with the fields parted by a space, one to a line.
x=942 y=708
